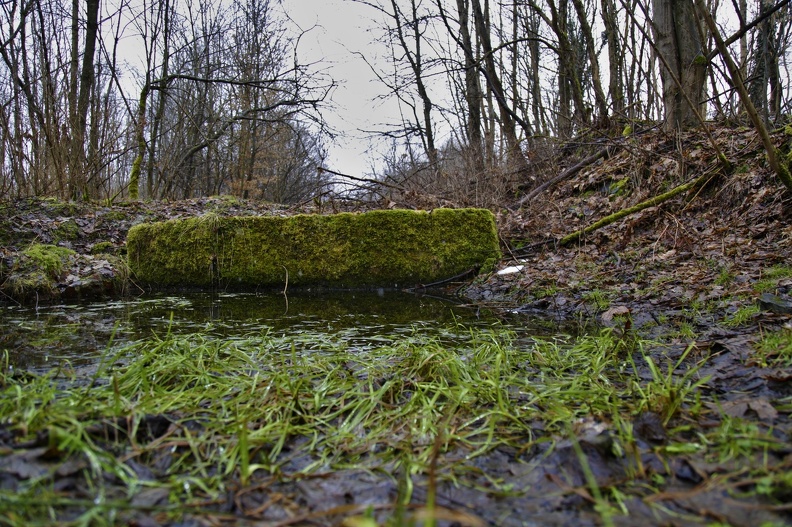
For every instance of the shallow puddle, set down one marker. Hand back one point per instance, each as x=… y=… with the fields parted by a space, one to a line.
x=77 y=334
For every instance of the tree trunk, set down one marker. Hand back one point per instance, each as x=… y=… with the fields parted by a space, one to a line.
x=140 y=140
x=507 y=118
x=165 y=9
x=570 y=89
x=473 y=96
x=678 y=37
x=78 y=181
x=615 y=56
x=415 y=59
x=599 y=94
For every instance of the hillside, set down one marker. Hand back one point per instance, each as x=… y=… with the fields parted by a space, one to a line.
x=694 y=264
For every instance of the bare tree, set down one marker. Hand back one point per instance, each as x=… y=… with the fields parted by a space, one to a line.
x=471 y=87
x=616 y=57
x=680 y=39
x=225 y=93
x=223 y=105
x=591 y=53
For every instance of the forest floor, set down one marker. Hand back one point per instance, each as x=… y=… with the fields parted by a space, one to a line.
x=699 y=266
x=708 y=274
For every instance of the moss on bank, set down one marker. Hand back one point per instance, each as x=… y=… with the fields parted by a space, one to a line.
x=379 y=248
x=49 y=258
x=47 y=272
x=35 y=271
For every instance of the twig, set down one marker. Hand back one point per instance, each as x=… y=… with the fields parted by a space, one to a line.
x=569 y=172
x=460 y=276
x=362 y=180
x=285 y=287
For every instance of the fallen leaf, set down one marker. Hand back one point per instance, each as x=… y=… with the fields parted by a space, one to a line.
x=763 y=408
x=739 y=407
x=615 y=312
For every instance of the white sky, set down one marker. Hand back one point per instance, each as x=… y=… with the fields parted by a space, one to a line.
x=335 y=30
x=340 y=29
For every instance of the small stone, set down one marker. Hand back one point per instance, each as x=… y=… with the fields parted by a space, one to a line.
x=775 y=304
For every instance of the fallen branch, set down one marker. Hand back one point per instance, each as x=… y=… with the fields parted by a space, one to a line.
x=456 y=278
x=651 y=202
x=569 y=172
x=320 y=170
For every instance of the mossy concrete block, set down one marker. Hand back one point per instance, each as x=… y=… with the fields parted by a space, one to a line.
x=394 y=248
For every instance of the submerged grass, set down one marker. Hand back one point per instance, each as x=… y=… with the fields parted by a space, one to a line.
x=194 y=418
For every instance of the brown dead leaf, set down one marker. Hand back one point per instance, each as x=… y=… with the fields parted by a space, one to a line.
x=734 y=408
x=763 y=408
x=615 y=312
x=666 y=255
x=779 y=376
x=739 y=407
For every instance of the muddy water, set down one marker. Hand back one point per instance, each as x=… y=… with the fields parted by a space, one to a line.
x=77 y=334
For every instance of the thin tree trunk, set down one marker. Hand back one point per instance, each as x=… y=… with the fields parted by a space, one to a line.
x=507 y=117
x=162 y=97
x=140 y=143
x=778 y=166
x=473 y=96
x=78 y=177
x=599 y=93
x=416 y=65
x=615 y=57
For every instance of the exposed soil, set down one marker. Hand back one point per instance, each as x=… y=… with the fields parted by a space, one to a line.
x=710 y=268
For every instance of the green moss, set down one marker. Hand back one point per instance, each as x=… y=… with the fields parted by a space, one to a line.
x=700 y=60
x=379 y=248
x=115 y=215
x=37 y=271
x=617 y=188
x=50 y=259
x=6 y=237
x=58 y=207
x=67 y=230
x=103 y=248
x=489 y=265
x=226 y=201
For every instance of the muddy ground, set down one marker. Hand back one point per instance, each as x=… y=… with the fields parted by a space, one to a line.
x=710 y=268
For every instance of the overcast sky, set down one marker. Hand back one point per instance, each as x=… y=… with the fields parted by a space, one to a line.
x=343 y=28
x=335 y=30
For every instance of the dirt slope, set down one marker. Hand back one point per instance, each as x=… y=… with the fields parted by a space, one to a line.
x=700 y=262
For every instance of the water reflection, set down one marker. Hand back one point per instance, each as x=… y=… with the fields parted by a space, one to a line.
x=77 y=334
